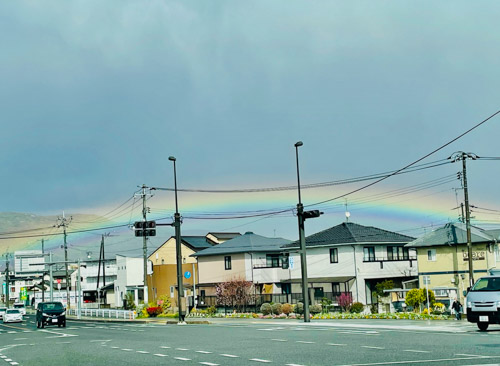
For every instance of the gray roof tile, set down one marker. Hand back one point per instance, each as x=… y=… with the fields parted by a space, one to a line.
x=351 y=233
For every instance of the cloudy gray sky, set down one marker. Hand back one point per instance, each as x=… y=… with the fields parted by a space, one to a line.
x=94 y=97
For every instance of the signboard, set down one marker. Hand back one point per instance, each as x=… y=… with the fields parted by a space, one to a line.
x=476 y=256
x=4 y=288
x=290 y=262
x=23 y=294
x=187 y=275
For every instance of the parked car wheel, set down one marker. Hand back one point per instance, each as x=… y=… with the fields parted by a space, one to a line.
x=482 y=326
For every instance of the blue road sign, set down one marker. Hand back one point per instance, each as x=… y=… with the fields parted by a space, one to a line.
x=187 y=275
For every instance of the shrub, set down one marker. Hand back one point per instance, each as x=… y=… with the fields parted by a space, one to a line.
x=154 y=311
x=211 y=310
x=374 y=308
x=266 y=308
x=357 y=307
x=286 y=308
x=345 y=301
x=276 y=308
x=315 y=309
x=299 y=308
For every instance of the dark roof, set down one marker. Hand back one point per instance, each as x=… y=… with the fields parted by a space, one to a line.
x=247 y=243
x=451 y=234
x=351 y=233
x=224 y=235
x=494 y=233
x=197 y=242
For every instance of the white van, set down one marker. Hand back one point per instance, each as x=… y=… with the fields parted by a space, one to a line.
x=20 y=306
x=483 y=302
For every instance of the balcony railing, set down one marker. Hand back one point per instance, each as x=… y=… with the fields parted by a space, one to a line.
x=387 y=259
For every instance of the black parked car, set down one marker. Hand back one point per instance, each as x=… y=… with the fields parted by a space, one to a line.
x=50 y=313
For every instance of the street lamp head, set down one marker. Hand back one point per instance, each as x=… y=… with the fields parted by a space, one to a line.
x=171 y=158
x=299 y=143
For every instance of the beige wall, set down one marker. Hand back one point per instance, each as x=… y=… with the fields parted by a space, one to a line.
x=211 y=268
x=166 y=254
x=165 y=276
x=449 y=267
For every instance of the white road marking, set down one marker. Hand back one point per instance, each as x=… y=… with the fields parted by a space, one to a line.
x=182 y=349
x=336 y=344
x=259 y=360
x=293 y=364
x=467 y=355
x=204 y=352
x=19 y=339
x=100 y=340
x=8 y=359
x=306 y=342
x=279 y=340
x=144 y=352
x=164 y=347
x=373 y=347
x=415 y=350
x=209 y=364
x=160 y=355
x=14 y=363
x=416 y=361
x=182 y=358
x=114 y=347
x=227 y=355
x=126 y=349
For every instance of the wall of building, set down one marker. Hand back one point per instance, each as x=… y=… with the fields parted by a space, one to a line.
x=166 y=254
x=212 y=269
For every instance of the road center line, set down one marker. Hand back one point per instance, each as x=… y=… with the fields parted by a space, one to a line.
x=209 y=364
x=259 y=360
x=415 y=350
x=204 y=352
x=305 y=342
x=160 y=355
x=226 y=355
x=279 y=340
x=182 y=358
x=373 y=347
x=336 y=344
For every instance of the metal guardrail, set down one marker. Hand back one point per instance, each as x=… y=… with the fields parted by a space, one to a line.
x=105 y=313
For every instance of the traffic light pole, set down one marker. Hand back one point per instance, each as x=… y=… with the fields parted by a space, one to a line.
x=303 y=256
x=178 y=247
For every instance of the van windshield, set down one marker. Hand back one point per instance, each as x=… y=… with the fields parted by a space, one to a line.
x=53 y=306
x=18 y=306
x=487 y=284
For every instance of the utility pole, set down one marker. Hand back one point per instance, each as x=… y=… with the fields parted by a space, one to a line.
x=63 y=222
x=43 y=274
x=464 y=156
x=145 y=243
x=101 y=260
x=7 y=279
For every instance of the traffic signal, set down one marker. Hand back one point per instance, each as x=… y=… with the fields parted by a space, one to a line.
x=311 y=214
x=145 y=228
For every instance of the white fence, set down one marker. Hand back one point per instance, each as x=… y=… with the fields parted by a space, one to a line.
x=106 y=313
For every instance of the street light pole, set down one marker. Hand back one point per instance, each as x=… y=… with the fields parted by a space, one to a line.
x=303 y=257
x=177 y=226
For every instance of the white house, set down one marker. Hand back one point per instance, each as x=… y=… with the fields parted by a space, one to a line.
x=352 y=258
x=129 y=278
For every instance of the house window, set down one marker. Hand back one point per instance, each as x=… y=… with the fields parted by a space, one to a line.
x=318 y=292
x=273 y=260
x=335 y=288
x=227 y=262
x=431 y=255
x=397 y=253
x=286 y=288
x=369 y=254
x=334 y=255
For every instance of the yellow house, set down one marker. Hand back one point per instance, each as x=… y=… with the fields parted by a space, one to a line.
x=163 y=281
x=443 y=260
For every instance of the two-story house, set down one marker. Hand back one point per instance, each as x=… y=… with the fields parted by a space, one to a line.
x=250 y=257
x=443 y=259
x=352 y=258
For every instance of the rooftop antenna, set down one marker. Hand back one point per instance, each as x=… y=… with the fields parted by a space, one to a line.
x=347 y=213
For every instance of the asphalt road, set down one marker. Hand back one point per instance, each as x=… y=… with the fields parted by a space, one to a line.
x=248 y=342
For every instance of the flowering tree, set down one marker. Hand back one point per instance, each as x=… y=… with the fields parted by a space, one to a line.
x=235 y=292
x=345 y=301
